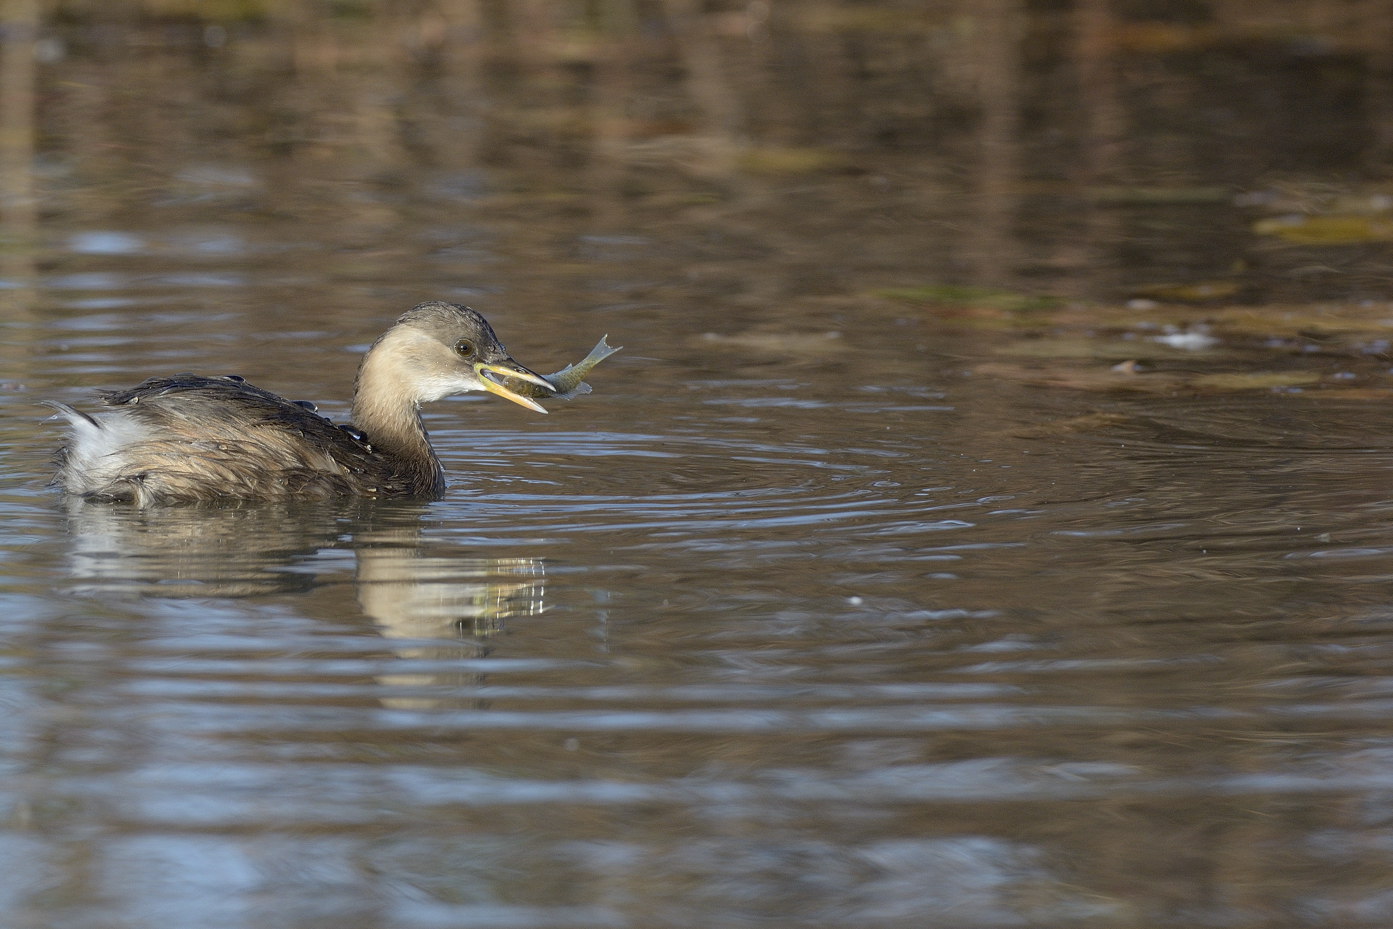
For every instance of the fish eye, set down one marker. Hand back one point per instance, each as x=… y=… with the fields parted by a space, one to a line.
x=464 y=348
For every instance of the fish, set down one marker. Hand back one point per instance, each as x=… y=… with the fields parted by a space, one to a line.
x=567 y=383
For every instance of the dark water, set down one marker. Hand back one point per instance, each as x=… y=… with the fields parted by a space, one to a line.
x=827 y=608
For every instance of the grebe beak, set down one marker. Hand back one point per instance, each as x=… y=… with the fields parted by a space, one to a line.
x=513 y=372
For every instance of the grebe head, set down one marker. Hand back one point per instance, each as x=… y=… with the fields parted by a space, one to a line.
x=437 y=350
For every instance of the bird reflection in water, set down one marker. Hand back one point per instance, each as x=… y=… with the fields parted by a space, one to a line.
x=413 y=596
x=437 y=609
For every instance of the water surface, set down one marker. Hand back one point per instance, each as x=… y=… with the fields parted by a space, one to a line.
x=908 y=567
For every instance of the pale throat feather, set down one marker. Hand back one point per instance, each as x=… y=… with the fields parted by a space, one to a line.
x=402 y=370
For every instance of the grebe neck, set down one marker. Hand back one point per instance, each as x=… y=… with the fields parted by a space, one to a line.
x=387 y=410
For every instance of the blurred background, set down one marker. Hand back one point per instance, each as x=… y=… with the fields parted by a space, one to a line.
x=742 y=158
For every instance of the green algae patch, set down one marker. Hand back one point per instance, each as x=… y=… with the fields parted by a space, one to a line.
x=1330 y=229
x=960 y=296
x=770 y=160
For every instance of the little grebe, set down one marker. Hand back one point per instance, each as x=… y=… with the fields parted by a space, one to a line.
x=189 y=439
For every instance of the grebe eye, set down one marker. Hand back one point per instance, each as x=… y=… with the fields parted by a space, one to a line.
x=464 y=348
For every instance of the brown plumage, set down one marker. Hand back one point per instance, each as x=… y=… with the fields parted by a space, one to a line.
x=188 y=438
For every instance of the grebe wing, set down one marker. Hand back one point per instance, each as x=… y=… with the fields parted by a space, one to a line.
x=189 y=437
